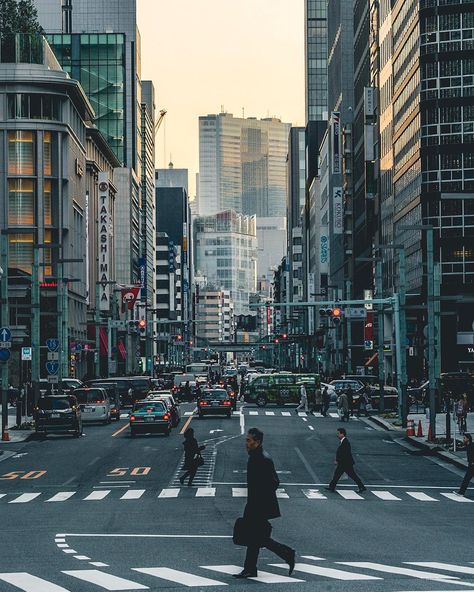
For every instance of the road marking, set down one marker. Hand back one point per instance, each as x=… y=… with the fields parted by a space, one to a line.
x=335 y=415
x=133 y=494
x=253 y=412
x=206 y=492
x=443 y=566
x=311 y=427
x=239 y=492
x=119 y=431
x=61 y=496
x=99 y=564
x=420 y=496
x=265 y=577
x=24 y=498
x=349 y=495
x=147 y=536
x=386 y=496
x=82 y=557
x=286 y=413
x=242 y=424
x=335 y=574
x=178 y=577
x=457 y=498
x=188 y=413
x=97 y=495
x=28 y=583
x=105 y=580
x=301 y=413
x=313 y=558
x=186 y=425
x=281 y=493
x=70 y=551
x=269 y=413
x=314 y=494
x=169 y=492
x=304 y=418
x=2 y=495
x=403 y=571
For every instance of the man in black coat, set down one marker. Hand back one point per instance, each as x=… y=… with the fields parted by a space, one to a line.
x=345 y=463
x=262 y=505
x=470 y=463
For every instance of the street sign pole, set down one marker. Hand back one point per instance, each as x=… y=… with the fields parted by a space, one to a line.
x=403 y=339
x=35 y=325
x=349 y=331
x=5 y=313
x=380 y=334
x=431 y=330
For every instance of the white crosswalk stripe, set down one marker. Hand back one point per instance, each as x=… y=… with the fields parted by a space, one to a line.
x=61 y=496
x=421 y=496
x=253 y=412
x=335 y=415
x=402 y=571
x=314 y=494
x=457 y=498
x=29 y=583
x=97 y=495
x=24 y=498
x=269 y=413
x=281 y=493
x=327 y=572
x=443 y=566
x=206 y=492
x=386 y=496
x=105 y=580
x=178 y=577
x=169 y=492
x=348 y=494
x=133 y=494
x=264 y=576
x=286 y=413
x=239 y=492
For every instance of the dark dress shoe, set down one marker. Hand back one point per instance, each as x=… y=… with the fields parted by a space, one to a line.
x=291 y=562
x=362 y=489
x=245 y=574
x=333 y=489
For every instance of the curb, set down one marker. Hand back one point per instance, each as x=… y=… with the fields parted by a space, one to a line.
x=383 y=423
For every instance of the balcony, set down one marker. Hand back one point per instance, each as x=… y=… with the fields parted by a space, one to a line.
x=27 y=49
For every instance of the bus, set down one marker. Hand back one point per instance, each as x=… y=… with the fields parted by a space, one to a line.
x=282 y=389
x=198 y=369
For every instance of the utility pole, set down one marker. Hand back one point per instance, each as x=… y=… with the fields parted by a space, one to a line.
x=380 y=333
x=349 y=330
x=431 y=329
x=5 y=312
x=97 y=330
x=403 y=337
x=35 y=324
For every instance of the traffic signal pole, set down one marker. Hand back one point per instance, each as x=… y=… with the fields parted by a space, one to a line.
x=5 y=312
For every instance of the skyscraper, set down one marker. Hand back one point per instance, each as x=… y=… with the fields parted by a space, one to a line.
x=316 y=52
x=242 y=165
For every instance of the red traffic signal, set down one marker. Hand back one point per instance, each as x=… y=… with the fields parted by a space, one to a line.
x=336 y=313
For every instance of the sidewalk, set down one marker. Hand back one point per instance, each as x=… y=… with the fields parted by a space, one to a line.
x=457 y=457
x=16 y=435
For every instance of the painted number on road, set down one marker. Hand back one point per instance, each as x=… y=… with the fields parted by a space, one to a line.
x=136 y=472
x=22 y=475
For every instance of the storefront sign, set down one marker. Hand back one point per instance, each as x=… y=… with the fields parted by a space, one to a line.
x=104 y=242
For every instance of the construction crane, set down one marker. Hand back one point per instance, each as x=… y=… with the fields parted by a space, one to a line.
x=163 y=112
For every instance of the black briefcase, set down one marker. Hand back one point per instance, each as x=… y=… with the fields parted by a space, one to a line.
x=247 y=533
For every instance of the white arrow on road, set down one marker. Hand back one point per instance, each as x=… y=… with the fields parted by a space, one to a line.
x=215 y=431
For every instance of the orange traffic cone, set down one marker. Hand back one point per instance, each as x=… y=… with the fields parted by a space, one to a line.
x=410 y=427
x=419 y=432
x=430 y=434
x=6 y=435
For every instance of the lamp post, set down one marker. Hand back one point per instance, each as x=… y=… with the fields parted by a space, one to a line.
x=5 y=312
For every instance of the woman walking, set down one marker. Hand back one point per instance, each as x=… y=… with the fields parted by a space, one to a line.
x=192 y=456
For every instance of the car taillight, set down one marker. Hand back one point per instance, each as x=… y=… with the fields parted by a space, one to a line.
x=203 y=403
x=132 y=418
x=227 y=403
x=166 y=417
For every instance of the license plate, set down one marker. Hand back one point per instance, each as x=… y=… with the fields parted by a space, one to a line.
x=149 y=419
x=88 y=409
x=215 y=404
x=55 y=415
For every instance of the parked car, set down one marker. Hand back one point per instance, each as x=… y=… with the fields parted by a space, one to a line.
x=214 y=402
x=58 y=414
x=150 y=417
x=94 y=404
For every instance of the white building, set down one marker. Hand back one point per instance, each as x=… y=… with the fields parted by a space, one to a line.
x=215 y=316
x=242 y=165
x=225 y=251
x=271 y=237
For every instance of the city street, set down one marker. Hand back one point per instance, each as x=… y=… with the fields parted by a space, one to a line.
x=107 y=512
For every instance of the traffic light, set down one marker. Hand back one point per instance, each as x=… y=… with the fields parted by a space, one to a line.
x=132 y=326
x=178 y=337
x=142 y=326
x=284 y=336
x=333 y=313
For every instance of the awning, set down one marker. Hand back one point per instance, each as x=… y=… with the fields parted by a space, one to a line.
x=371 y=359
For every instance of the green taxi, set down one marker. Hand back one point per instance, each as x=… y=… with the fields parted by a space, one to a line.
x=150 y=417
x=282 y=389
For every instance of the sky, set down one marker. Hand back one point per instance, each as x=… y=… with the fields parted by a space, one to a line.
x=203 y=55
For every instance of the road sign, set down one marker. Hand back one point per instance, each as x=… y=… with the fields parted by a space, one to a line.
x=368 y=344
x=53 y=356
x=52 y=344
x=52 y=367
x=53 y=379
x=26 y=354
x=356 y=313
x=78 y=347
x=118 y=324
x=5 y=344
x=4 y=355
x=5 y=334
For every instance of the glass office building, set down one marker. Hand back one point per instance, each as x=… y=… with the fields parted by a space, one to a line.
x=316 y=52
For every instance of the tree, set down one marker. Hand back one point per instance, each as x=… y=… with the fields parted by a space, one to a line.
x=18 y=16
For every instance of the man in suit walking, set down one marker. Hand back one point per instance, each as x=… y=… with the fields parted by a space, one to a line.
x=262 y=505
x=344 y=463
x=470 y=464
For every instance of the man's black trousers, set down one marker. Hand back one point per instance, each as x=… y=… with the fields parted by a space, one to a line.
x=467 y=477
x=349 y=470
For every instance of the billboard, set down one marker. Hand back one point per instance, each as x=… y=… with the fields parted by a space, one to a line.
x=336 y=143
x=337 y=208
x=103 y=255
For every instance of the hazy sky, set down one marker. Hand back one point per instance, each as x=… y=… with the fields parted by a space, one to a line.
x=202 y=54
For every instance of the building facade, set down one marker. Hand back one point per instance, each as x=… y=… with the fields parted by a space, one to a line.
x=225 y=252
x=242 y=165
x=316 y=53
x=215 y=313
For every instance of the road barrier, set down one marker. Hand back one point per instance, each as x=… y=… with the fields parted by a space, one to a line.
x=419 y=432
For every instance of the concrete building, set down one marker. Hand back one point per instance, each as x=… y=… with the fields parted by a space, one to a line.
x=271 y=238
x=316 y=54
x=44 y=183
x=172 y=177
x=242 y=165
x=215 y=313
x=225 y=252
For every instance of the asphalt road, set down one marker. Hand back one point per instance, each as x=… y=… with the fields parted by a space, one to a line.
x=106 y=512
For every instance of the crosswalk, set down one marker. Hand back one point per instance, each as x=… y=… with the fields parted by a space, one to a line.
x=290 y=412
x=308 y=568
x=227 y=491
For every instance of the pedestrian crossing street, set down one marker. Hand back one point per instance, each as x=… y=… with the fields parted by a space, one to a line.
x=227 y=491
x=308 y=569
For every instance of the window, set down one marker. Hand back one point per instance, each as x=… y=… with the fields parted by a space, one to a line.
x=21 y=153
x=47 y=203
x=20 y=251
x=21 y=199
x=34 y=106
x=47 y=152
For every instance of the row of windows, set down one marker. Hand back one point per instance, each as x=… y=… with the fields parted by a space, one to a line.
x=430 y=44
x=21 y=153
x=22 y=202
x=404 y=18
x=407 y=57
x=448 y=68
x=20 y=252
x=408 y=187
x=34 y=106
x=407 y=144
x=407 y=100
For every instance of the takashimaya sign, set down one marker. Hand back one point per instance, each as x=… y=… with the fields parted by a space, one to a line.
x=104 y=242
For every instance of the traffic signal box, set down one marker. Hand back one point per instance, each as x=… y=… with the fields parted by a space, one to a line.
x=335 y=314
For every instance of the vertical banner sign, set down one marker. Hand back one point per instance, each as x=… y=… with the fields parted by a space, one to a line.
x=337 y=215
x=324 y=250
x=336 y=143
x=369 y=331
x=142 y=266
x=103 y=242
x=88 y=288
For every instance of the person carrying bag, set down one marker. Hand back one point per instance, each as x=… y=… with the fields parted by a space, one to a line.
x=192 y=457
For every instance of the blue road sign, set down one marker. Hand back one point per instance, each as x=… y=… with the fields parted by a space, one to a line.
x=5 y=334
x=52 y=345
x=4 y=355
x=52 y=367
x=78 y=347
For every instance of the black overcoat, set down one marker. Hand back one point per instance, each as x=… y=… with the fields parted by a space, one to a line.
x=191 y=448
x=262 y=483
x=344 y=456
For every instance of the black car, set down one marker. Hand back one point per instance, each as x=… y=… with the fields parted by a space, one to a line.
x=129 y=388
x=214 y=402
x=113 y=394
x=58 y=414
